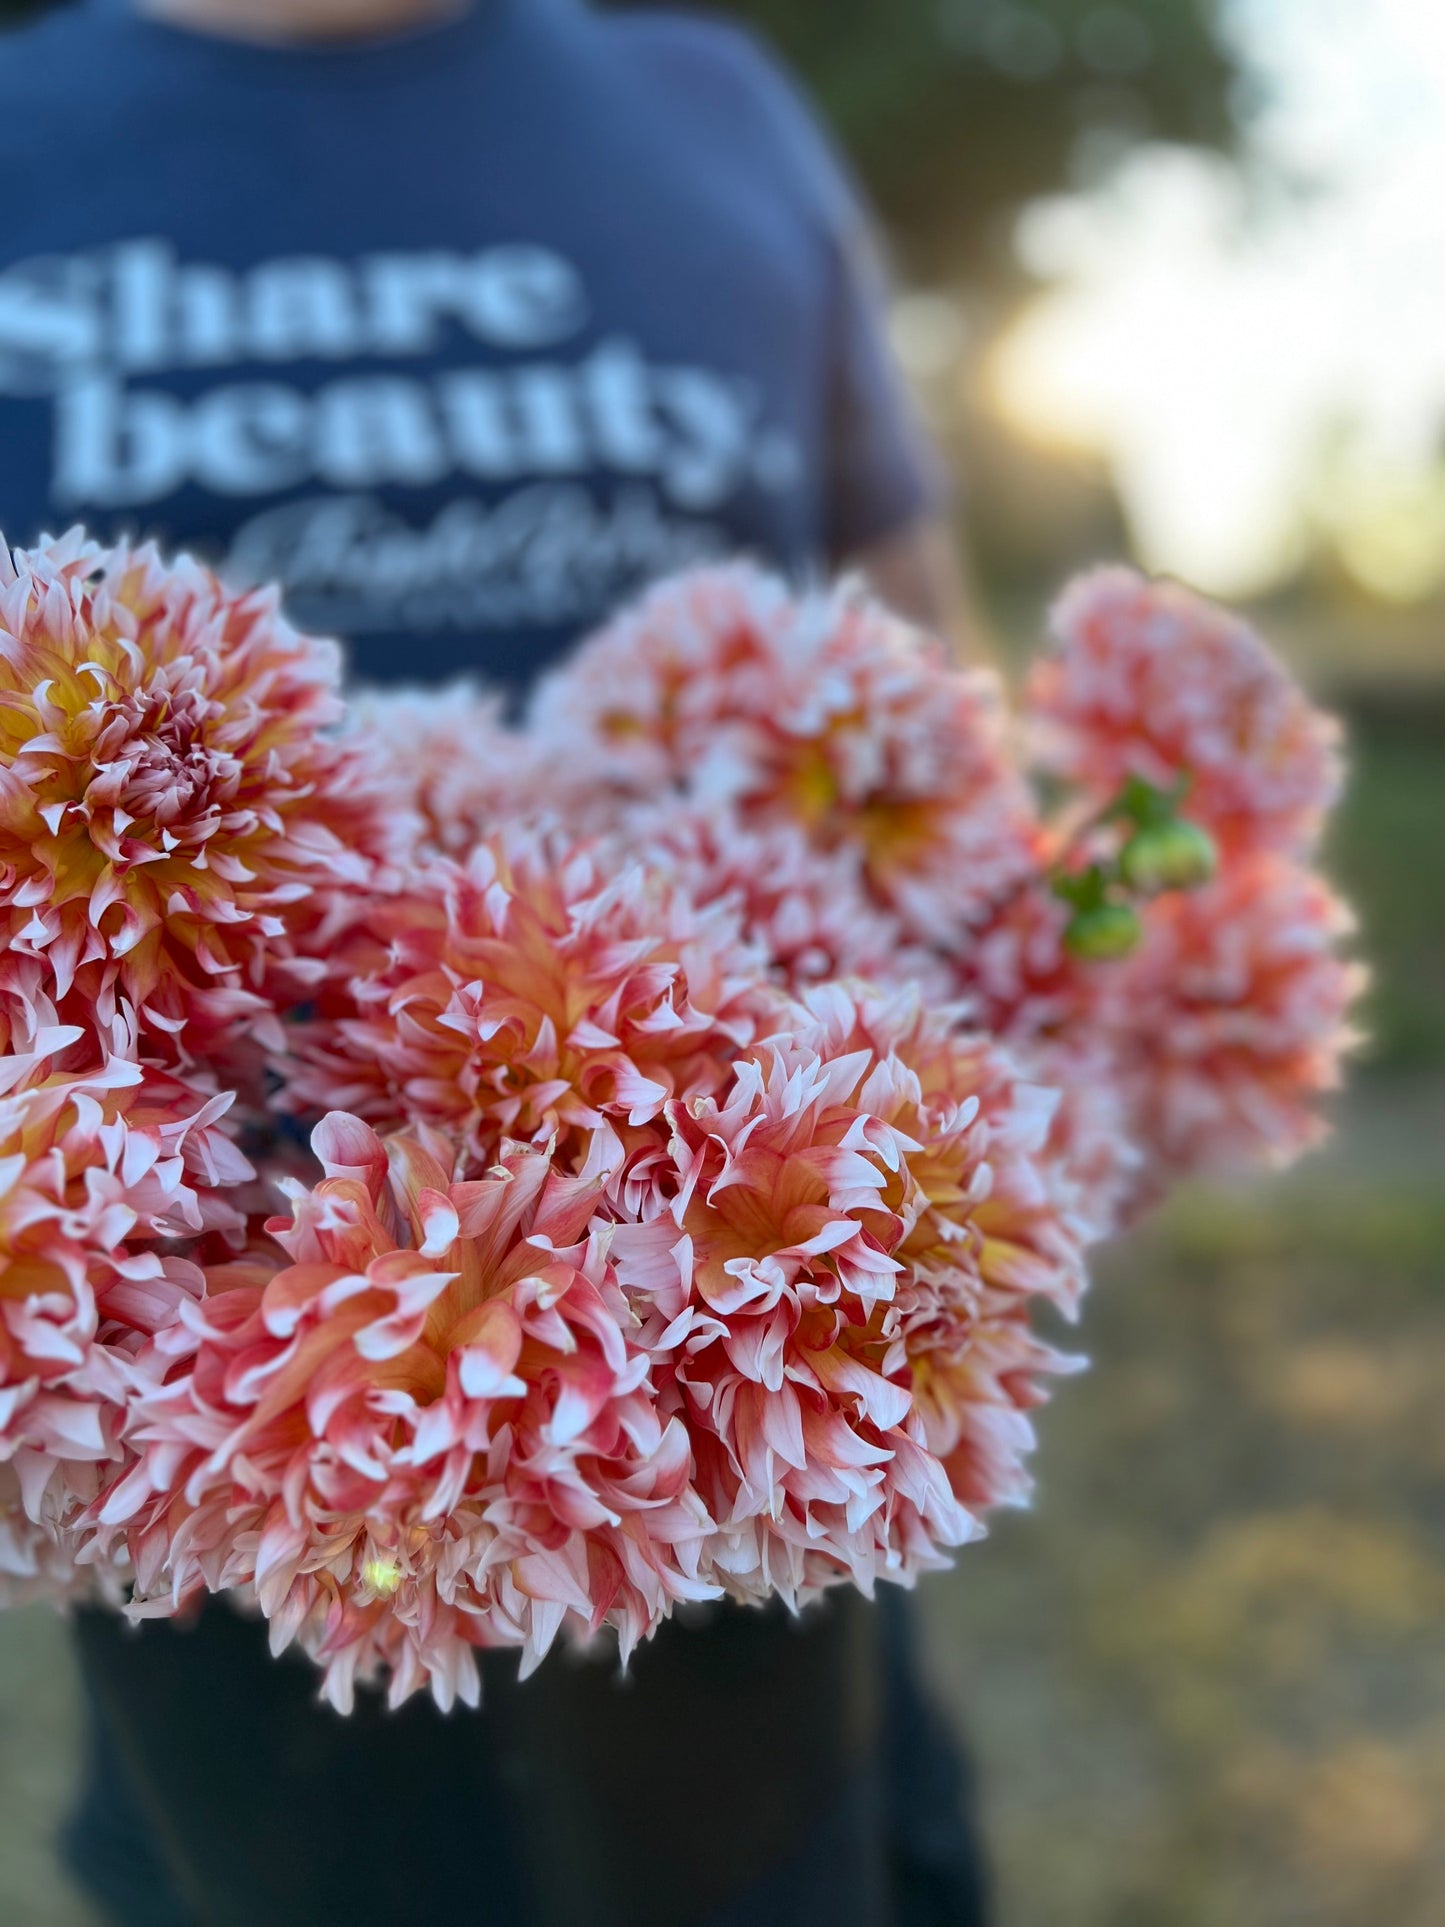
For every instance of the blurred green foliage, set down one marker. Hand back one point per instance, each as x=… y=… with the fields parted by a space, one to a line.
x=1386 y=851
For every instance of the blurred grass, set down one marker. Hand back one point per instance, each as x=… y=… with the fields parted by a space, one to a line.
x=1205 y=1679
x=1388 y=851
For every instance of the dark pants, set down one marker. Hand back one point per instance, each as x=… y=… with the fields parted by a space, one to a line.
x=751 y=1771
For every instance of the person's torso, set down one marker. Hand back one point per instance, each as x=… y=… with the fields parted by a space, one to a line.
x=461 y=339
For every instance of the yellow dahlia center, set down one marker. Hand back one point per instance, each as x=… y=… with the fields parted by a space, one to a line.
x=814 y=788
x=893 y=832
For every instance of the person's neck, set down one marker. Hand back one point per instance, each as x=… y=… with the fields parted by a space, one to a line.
x=279 y=22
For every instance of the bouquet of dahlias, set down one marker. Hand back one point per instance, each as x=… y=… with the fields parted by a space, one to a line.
x=705 y=1080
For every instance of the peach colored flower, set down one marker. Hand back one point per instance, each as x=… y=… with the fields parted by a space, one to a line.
x=1150 y=680
x=1232 y=1021
x=450 y=764
x=96 y=1173
x=670 y=688
x=168 y=795
x=1020 y=985
x=430 y=1431
x=1016 y=977
x=821 y=711
x=796 y=1245
x=985 y=1186
x=808 y=910
x=532 y=994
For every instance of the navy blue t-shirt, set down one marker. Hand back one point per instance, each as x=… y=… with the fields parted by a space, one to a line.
x=461 y=336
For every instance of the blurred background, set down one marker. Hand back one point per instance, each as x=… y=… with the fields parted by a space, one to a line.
x=1172 y=286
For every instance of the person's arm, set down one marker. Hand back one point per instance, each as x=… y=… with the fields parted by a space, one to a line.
x=918 y=572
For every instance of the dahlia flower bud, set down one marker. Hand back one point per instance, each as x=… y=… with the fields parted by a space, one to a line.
x=1171 y=855
x=1104 y=932
x=1100 y=928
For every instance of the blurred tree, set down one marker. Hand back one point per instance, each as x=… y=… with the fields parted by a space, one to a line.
x=955 y=111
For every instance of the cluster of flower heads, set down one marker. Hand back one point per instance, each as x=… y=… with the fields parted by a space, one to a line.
x=706 y=1082
x=1228 y=1022
x=177 y=829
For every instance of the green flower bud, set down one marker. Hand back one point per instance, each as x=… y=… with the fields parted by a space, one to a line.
x=1173 y=855
x=1108 y=931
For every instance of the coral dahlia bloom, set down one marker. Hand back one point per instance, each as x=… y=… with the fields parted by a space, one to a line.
x=765 y=1282
x=430 y=1431
x=669 y=688
x=1150 y=680
x=984 y=1188
x=1019 y=981
x=168 y=795
x=530 y=994
x=798 y=1244
x=1020 y=984
x=821 y=711
x=1232 y=1021
x=450 y=764
x=809 y=911
x=95 y=1172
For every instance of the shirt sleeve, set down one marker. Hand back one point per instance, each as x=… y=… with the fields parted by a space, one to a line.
x=883 y=472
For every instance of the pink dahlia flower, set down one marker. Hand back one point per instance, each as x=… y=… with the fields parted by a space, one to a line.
x=168 y=795
x=1019 y=981
x=431 y=1431
x=96 y=1172
x=530 y=994
x=1021 y=985
x=821 y=711
x=450 y=764
x=1003 y=1212
x=985 y=1185
x=808 y=910
x=797 y=1244
x=663 y=698
x=1232 y=1021
x=1150 y=680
